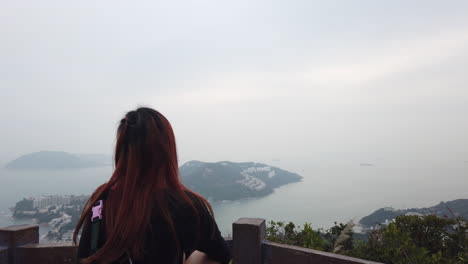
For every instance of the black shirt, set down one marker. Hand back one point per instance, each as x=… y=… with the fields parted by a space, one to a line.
x=208 y=239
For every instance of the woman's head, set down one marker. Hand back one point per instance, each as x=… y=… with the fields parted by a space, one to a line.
x=146 y=169
x=146 y=144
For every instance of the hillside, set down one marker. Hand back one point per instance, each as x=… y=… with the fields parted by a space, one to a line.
x=230 y=181
x=451 y=209
x=55 y=160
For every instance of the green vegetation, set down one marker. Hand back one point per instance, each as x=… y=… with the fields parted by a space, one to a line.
x=409 y=239
x=24 y=205
x=336 y=239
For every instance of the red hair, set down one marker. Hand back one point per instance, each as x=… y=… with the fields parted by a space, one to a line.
x=145 y=167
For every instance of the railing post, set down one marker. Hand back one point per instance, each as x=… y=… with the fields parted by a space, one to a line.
x=15 y=236
x=248 y=235
x=3 y=255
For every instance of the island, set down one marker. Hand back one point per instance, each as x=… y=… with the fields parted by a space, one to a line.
x=57 y=160
x=226 y=180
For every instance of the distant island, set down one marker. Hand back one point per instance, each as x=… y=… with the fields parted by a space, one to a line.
x=383 y=216
x=231 y=181
x=57 y=160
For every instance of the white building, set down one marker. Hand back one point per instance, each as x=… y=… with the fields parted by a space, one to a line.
x=42 y=202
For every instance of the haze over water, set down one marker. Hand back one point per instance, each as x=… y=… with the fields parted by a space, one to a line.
x=331 y=191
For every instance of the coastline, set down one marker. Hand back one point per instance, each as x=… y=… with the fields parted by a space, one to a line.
x=6 y=219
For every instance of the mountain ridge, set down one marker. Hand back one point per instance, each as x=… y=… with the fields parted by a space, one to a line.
x=56 y=160
x=450 y=209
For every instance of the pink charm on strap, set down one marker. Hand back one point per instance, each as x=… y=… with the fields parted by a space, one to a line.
x=97 y=211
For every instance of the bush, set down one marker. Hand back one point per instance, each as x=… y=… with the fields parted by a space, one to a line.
x=409 y=239
x=417 y=239
x=307 y=237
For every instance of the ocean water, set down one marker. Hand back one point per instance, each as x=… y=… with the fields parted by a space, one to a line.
x=330 y=191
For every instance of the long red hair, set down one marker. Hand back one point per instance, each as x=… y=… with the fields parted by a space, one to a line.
x=146 y=168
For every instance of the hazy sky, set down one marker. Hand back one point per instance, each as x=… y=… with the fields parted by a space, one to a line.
x=239 y=80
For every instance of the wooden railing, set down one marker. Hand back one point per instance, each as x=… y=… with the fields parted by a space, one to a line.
x=19 y=245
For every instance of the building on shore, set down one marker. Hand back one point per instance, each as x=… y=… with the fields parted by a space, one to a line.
x=41 y=202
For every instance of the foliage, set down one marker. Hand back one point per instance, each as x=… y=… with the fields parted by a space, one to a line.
x=417 y=239
x=344 y=239
x=304 y=237
x=24 y=205
x=408 y=239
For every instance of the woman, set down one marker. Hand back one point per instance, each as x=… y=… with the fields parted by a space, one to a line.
x=144 y=214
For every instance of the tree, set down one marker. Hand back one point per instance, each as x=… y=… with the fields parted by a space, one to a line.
x=288 y=234
x=418 y=240
x=410 y=239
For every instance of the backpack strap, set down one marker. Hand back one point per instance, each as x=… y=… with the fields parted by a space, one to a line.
x=96 y=219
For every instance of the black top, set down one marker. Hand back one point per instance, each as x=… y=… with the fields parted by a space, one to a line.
x=157 y=249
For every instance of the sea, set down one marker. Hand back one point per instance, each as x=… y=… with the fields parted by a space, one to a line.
x=333 y=191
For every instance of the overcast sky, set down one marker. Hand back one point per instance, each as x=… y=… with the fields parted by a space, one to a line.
x=240 y=80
